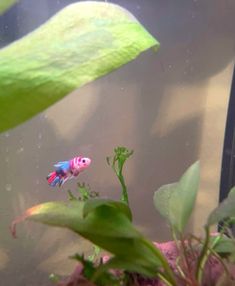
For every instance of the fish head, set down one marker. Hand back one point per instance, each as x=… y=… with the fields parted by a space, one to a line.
x=85 y=162
x=80 y=163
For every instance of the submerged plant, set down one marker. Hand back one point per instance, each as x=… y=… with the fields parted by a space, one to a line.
x=121 y=154
x=175 y=203
x=134 y=259
x=84 y=192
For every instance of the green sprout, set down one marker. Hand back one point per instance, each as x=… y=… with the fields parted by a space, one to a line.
x=85 y=193
x=117 y=162
x=54 y=278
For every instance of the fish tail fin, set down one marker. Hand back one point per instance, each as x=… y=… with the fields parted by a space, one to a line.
x=53 y=179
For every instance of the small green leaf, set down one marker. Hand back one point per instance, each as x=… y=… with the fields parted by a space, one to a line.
x=71 y=196
x=54 y=278
x=226 y=210
x=88 y=266
x=225 y=246
x=175 y=201
x=96 y=252
x=127 y=265
x=5 y=5
x=84 y=41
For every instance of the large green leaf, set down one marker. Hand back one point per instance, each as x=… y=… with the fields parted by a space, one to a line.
x=5 y=5
x=106 y=225
x=82 y=42
x=226 y=210
x=175 y=201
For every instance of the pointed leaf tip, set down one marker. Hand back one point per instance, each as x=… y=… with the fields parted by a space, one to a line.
x=29 y=212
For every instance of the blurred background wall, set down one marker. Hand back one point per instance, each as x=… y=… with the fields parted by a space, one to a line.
x=169 y=107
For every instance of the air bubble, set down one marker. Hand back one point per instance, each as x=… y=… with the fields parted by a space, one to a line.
x=20 y=150
x=8 y=187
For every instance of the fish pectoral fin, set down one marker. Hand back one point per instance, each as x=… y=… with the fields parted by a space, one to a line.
x=63 y=180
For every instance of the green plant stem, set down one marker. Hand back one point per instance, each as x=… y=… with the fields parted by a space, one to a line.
x=181 y=247
x=124 y=197
x=162 y=277
x=169 y=274
x=215 y=253
x=186 y=260
x=178 y=246
x=220 y=260
x=203 y=257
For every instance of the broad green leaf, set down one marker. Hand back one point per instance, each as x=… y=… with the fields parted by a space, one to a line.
x=84 y=41
x=225 y=210
x=175 y=201
x=102 y=221
x=5 y=5
x=161 y=200
x=105 y=225
x=94 y=203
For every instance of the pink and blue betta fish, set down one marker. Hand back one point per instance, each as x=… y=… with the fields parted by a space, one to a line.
x=67 y=170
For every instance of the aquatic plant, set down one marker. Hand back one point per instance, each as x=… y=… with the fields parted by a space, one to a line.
x=82 y=42
x=108 y=224
x=37 y=71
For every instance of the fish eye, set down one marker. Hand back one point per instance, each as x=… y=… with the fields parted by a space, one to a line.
x=83 y=161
